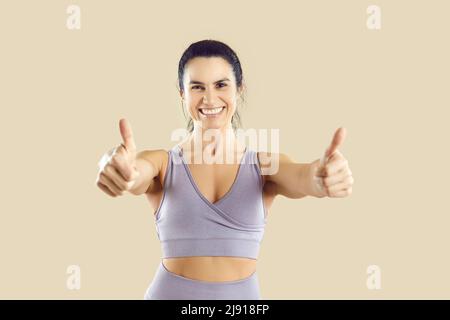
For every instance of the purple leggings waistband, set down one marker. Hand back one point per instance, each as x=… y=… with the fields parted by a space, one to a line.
x=167 y=285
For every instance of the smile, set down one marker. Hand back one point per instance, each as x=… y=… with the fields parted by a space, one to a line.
x=211 y=112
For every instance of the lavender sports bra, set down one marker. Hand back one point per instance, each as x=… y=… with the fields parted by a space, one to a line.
x=188 y=224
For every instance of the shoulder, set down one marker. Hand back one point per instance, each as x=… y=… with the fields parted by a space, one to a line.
x=155 y=156
x=158 y=158
x=265 y=159
x=271 y=160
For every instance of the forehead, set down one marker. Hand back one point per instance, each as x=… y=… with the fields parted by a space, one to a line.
x=208 y=69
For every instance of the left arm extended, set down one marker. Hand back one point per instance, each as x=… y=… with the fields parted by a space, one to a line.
x=292 y=180
x=329 y=176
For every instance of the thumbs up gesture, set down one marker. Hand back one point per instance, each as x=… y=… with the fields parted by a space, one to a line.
x=333 y=177
x=118 y=171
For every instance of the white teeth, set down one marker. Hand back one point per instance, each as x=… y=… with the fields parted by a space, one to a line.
x=211 y=111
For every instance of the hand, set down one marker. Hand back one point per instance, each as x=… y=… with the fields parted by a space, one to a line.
x=118 y=171
x=333 y=177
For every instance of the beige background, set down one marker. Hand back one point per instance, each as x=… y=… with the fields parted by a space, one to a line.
x=310 y=67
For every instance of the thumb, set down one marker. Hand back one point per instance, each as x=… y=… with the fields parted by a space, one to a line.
x=338 y=140
x=127 y=136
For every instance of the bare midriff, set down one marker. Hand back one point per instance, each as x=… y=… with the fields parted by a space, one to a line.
x=213 y=269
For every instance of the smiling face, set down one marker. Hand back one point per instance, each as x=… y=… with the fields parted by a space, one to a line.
x=210 y=92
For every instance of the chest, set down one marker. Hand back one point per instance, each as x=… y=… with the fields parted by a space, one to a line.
x=213 y=181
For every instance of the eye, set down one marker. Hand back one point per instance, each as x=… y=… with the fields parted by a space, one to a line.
x=221 y=85
x=195 y=87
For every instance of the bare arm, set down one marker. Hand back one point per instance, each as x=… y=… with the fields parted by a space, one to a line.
x=329 y=176
x=292 y=180
x=149 y=164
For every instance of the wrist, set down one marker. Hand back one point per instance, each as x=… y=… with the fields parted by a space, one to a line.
x=315 y=183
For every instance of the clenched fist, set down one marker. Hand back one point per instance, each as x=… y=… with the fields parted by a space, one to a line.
x=118 y=171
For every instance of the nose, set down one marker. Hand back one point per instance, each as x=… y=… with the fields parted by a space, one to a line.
x=208 y=98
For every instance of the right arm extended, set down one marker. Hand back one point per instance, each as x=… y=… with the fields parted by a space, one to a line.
x=148 y=164
x=122 y=169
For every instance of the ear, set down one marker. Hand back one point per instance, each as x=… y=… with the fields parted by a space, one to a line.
x=240 y=90
x=242 y=87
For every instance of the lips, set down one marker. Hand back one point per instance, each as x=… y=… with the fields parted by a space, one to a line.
x=211 y=111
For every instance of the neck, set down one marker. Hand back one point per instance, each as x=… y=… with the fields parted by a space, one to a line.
x=213 y=142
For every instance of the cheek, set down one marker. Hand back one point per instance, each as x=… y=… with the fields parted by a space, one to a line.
x=231 y=103
x=191 y=104
x=190 y=109
x=231 y=110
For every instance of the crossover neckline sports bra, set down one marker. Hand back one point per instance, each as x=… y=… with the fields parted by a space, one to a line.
x=194 y=184
x=188 y=224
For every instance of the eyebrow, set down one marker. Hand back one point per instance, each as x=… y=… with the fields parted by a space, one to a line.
x=198 y=82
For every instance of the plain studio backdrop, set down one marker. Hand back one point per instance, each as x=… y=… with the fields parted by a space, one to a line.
x=310 y=67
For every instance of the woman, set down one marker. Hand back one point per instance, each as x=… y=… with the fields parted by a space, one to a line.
x=210 y=216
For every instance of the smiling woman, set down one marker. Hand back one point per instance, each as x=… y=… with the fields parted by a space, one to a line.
x=210 y=217
x=210 y=238
x=219 y=65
